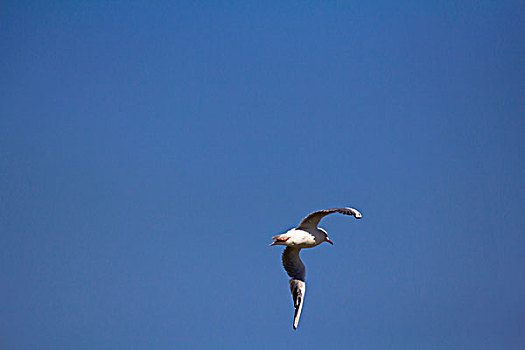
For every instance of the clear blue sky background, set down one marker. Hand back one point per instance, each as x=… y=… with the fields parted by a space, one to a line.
x=149 y=150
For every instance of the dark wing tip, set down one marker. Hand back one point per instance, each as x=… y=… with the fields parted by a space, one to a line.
x=350 y=211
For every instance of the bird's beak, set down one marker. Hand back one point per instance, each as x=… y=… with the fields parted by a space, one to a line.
x=329 y=241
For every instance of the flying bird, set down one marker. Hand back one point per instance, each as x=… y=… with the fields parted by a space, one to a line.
x=306 y=235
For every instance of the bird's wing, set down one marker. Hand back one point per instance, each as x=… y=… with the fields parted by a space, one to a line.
x=313 y=219
x=295 y=268
x=293 y=264
x=298 y=289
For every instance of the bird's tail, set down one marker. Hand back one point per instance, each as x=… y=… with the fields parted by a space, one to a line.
x=298 y=289
x=279 y=240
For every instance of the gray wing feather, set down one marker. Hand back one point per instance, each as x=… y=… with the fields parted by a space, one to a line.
x=313 y=219
x=292 y=263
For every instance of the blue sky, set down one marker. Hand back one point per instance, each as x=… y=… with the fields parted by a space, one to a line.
x=149 y=150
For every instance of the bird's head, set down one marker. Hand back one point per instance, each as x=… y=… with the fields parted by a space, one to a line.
x=326 y=239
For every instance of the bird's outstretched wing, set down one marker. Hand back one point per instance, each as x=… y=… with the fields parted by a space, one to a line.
x=293 y=264
x=312 y=220
x=298 y=289
x=295 y=268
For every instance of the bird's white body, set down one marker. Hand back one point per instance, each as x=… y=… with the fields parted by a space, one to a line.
x=301 y=237
x=306 y=235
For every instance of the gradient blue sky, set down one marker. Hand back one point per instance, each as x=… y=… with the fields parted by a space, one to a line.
x=150 y=149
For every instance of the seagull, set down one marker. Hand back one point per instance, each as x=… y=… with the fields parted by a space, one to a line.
x=306 y=235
